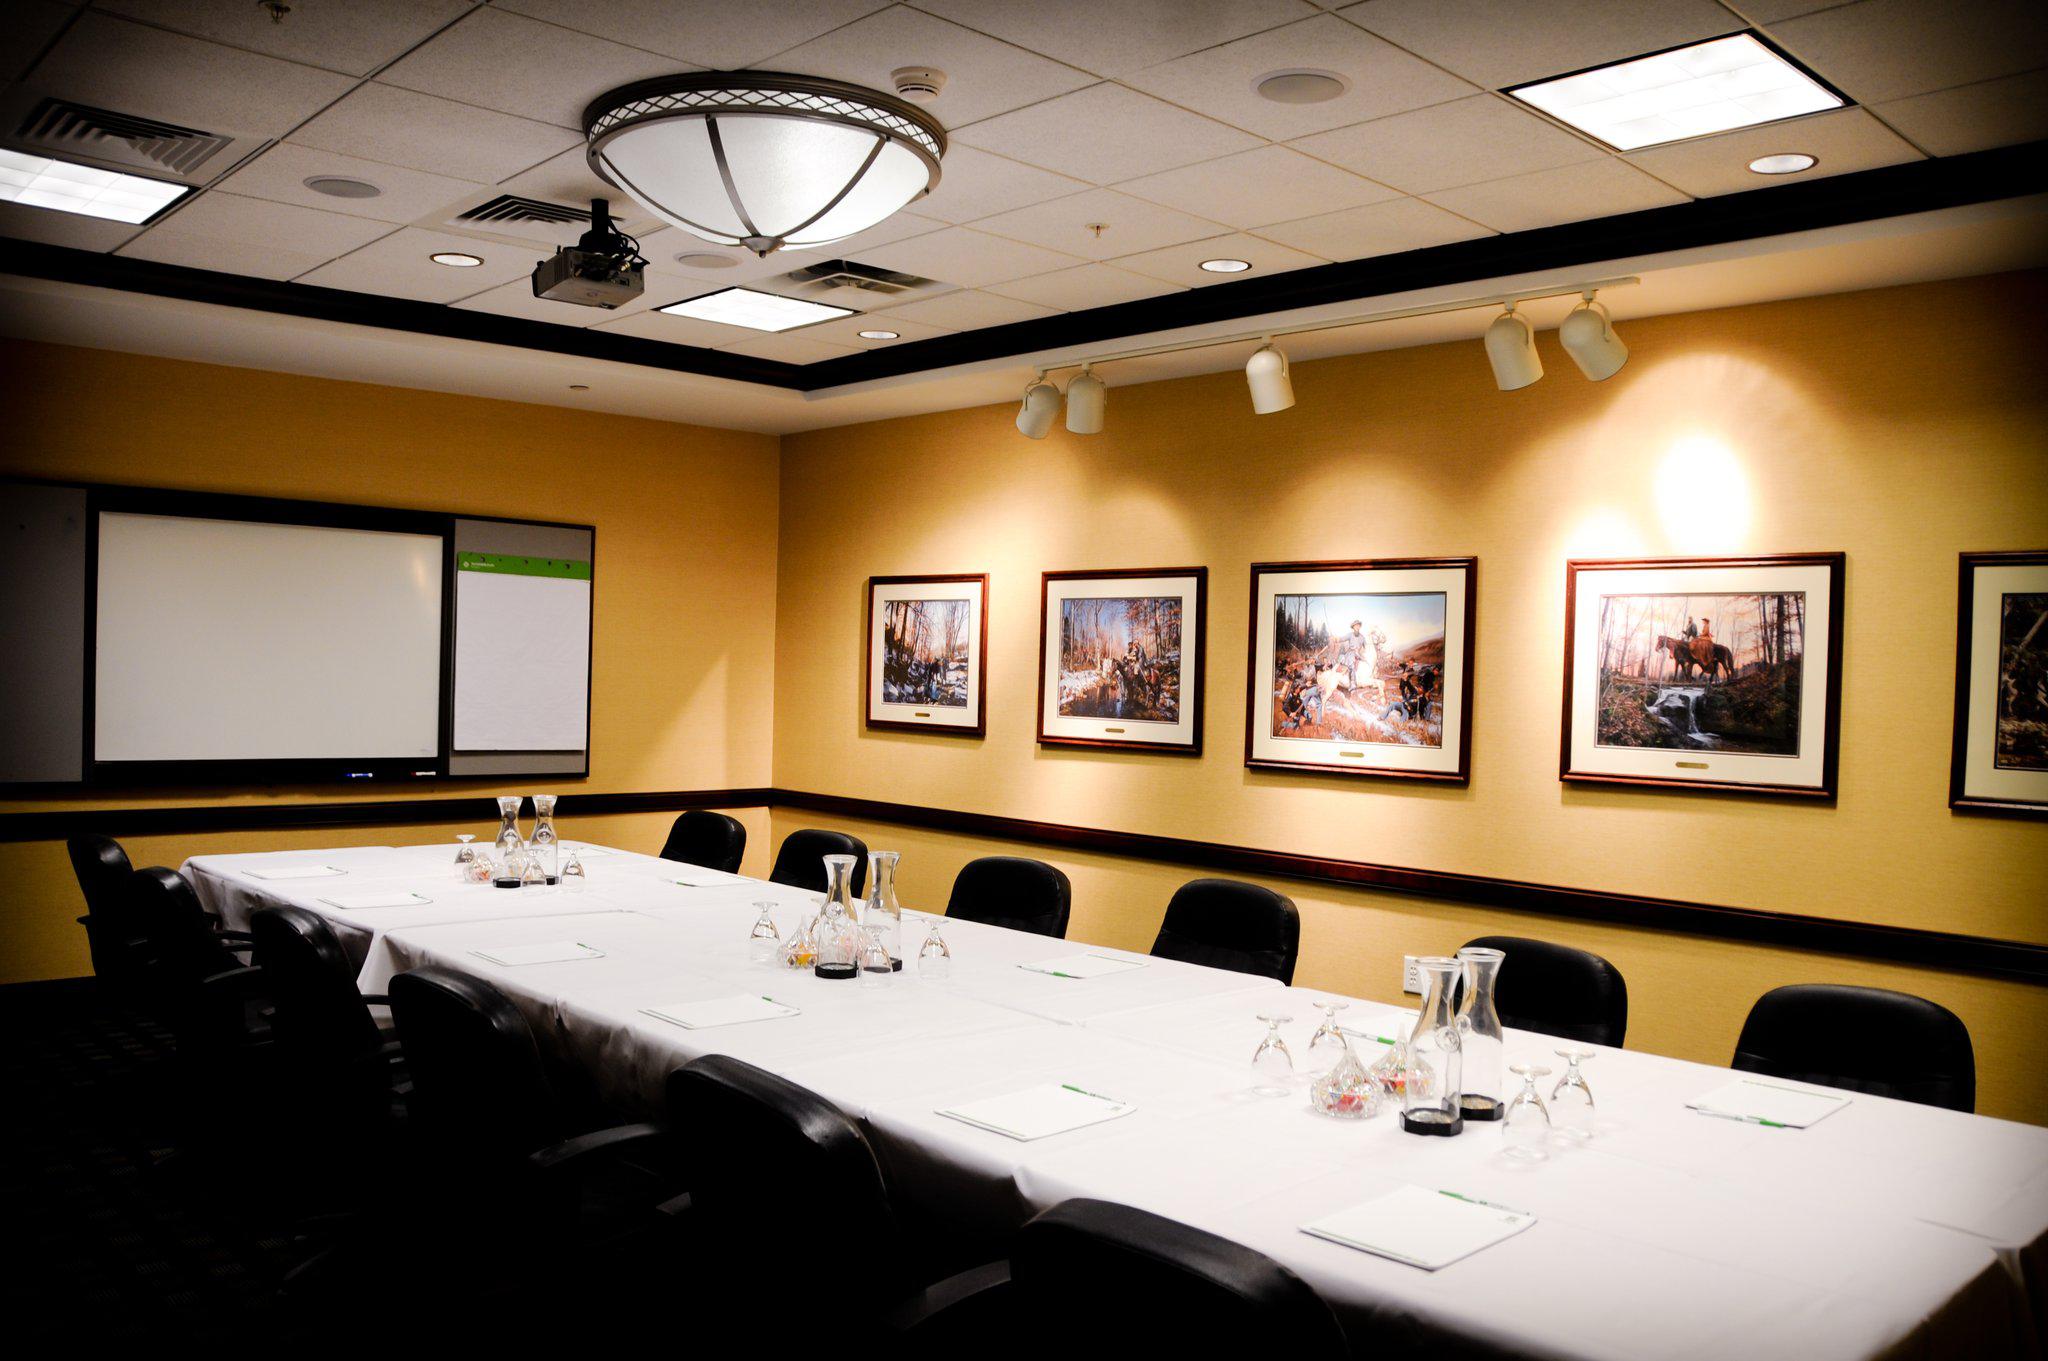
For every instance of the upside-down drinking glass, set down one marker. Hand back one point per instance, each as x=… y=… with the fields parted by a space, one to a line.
x=934 y=957
x=574 y=876
x=465 y=855
x=764 y=943
x=1524 y=1123
x=1328 y=1041
x=1571 y=1101
x=1272 y=1064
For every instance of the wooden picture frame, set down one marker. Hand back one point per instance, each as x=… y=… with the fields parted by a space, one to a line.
x=1135 y=700
x=1653 y=714
x=909 y=686
x=1999 y=759
x=1389 y=698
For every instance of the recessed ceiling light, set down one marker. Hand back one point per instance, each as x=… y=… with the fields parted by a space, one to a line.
x=755 y=310
x=704 y=259
x=880 y=335
x=1300 y=86
x=1226 y=266
x=1723 y=83
x=456 y=259
x=341 y=186
x=1784 y=163
x=38 y=182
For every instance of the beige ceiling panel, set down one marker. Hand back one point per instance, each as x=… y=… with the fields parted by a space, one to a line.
x=1269 y=184
x=1507 y=42
x=968 y=310
x=974 y=184
x=650 y=324
x=1183 y=264
x=722 y=35
x=280 y=175
x=53 y=228
x=1463 y=142
x=224 y=231
x=1569 y=193
x=789 y=347
x=1379 y=229
x=400 y=266
x=521 y=66
x=1105 y=134
x=1128 y=224
x=1880 y=50
x=966 y=257
x=1842 y=141
x=846 y=331
x=1085 y=286
x=1118 y=38
x=1991 y=113
x=30 y=26
x=357 y=36
x=440 y=136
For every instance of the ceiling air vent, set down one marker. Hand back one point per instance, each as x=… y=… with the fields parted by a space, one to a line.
x=510 y=209
x=835 y=275
x=70 y=131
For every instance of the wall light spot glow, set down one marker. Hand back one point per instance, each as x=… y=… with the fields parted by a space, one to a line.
x=1703 y=496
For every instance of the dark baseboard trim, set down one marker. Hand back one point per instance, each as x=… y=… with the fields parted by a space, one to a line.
x=1782 y=930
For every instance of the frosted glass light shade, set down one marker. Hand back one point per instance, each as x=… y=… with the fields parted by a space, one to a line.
x=760 y=159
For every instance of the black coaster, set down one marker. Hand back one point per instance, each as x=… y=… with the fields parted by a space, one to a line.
x=835 y=970
x=1432 y=1122
x=1477 y=1107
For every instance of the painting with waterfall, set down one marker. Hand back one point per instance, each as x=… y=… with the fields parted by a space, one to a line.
x=1717 y=673
x=1120 y=658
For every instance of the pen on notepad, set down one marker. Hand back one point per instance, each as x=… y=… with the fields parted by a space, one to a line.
x=1475 y=1200
x=1745 y=1119
x=1097 y=1095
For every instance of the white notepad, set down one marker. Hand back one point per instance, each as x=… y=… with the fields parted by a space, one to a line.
x=547 y=952
x=295 y=872
x=1083 y=966
x=1767 y=1103
x=1419 y=1227
x=1037 y=1112
x=586 y=852
x=349 y=902
x=696 y=876
x=716 y=1011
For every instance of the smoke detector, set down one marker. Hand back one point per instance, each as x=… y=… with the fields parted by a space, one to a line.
x=918 y=84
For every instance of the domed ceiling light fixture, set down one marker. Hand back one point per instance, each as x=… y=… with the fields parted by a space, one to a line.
x=763 y=159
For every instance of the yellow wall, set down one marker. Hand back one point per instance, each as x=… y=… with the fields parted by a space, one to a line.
x=1881 y=424
x=685 y=597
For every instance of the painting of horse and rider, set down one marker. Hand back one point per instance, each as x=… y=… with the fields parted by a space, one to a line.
x=1359 y=668
x=1702 y=672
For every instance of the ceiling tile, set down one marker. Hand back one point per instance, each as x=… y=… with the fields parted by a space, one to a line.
x=1844 y=140
x=516 y=299
x=568 y=178
x=227 y=232
x=653 y=324
x=1105 y=134
x=1992 y=113
x=1771 y=11
x=1128 y=224
x=135 y=69
x=30 y=26
x=1881 y=50
x=521 y=66
x=63 y=229
x=1507 y=42
x=1220 y=82
x=397 y=265
x=1269 y=184
x=1127 y=36
x=983 y=76
x=1464 y=142
x=407 y=128
x=1183 y=264
x=966 y=257
x=722 y=35
x=1085 y=286
x=974 y=184
x=789 y=347
x=846 y=331
x=1569 y=193
x=280 y=175
x=1379 y=229
x=968 y=310
x=356 y=37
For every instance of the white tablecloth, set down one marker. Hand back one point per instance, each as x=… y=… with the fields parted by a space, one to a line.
x=1888 y=1229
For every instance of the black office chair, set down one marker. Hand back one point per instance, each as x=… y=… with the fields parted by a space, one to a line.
x=193 y=972
x=1009 y=890
x=713 y=840
x=781 y=1174
x=1228 y=924
x=342 y=1066
x=1557 y=990
x=1125 y=1278
x=801 y=861
x=111 y=934
x=1863 y=1040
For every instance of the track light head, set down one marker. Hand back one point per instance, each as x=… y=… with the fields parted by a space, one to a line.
x=1511 y=349
x=1040 y=405
x=1587 y=335
x=1087 y=398
x=1266 y=372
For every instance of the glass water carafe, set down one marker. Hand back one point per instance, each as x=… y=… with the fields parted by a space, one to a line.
x=1483 y=1046
x=1434 y=1081
x=544 y=846
x=881 y=921
x=839 y=933
x=510 y=848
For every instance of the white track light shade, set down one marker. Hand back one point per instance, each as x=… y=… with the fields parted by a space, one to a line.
x=1587 y=335
x=1087 y=398
x=1266 y=372
x=1511 y=349
x=1041 y=405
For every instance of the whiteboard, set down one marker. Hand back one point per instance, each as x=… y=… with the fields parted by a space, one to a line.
x=522 y=653
x=220 y=640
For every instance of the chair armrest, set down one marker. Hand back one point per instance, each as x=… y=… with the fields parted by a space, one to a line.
x=236 y=937
x=954 y=1300
x=376 y=999
x=564 y=1156
x=242 y=979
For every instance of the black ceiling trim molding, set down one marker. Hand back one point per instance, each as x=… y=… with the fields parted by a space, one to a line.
x=1781 y=930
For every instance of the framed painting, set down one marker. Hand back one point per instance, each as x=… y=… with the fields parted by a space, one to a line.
x=926 y=652
x=1704 y=673
x=1362 y=667
x=2000 y=762
x=1120 y=658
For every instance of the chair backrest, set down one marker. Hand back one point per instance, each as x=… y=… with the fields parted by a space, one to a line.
x=1009 y=890
x=781 y=1174
x=318 y=1013
x=177 y=933
x=1863 y=1040
x=1228 y=924
x=102 y=868
x=801 y=861
x=1557 y=990
x=1095 y=1266
x=701 y=837
x=479 y=1092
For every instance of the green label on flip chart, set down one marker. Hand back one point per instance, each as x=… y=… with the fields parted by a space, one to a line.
x=512 y=564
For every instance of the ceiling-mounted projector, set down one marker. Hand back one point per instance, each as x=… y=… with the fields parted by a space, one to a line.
x=603 y=269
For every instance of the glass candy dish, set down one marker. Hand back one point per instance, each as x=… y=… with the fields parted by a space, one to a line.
x=1349 y=1091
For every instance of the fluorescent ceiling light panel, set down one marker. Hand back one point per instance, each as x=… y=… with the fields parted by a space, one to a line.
x=43 y=183
x=756 y=311
x=1709 y=87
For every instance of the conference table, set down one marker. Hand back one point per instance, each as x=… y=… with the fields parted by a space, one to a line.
x=1887 y=1229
